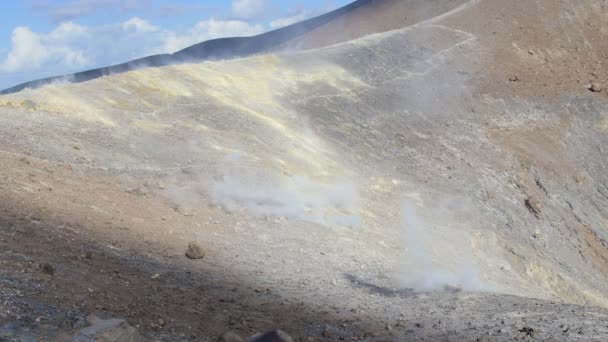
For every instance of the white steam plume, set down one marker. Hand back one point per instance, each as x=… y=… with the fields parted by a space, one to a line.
x=295 y=197
x=452 y=269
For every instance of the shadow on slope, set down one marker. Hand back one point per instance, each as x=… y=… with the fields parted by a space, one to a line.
x=53 y=277
x=167 y=301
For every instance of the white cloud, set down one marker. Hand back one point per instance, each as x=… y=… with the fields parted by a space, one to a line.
x=31 y=50
x=208 y=29
x=217 y=28
x=68 y=31
x=71 y=47
x=27 y=50
x=138 y=25
x=248 y=9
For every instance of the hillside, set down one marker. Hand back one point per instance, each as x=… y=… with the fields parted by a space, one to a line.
x=355 y=20
x=443 y=178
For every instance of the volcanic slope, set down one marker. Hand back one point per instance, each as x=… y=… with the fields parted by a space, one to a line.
x=352 y=21
x=446 y=180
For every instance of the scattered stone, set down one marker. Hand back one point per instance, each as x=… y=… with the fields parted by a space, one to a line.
x=272 y=336
x=195 y=251
x=47 y=268
x=141 y=190
x=231 y=336
x=156 y=325
x=326 y=333
x=112 y=330
x=514 y=79
x=529 y=332
x=595 y=87
x=184 y=210
x=534 y=205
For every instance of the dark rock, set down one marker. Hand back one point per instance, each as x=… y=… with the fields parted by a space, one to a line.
x=534 y=205
x=272 y=336
x=195 y=251
x=47 y=268
x=528 y=331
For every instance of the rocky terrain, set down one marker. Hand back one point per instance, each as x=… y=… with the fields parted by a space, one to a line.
x=439 y=176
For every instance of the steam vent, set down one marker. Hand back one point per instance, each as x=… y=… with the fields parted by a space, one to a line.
x=393 y=170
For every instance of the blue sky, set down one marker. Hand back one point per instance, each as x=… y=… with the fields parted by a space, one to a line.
x=41 y=38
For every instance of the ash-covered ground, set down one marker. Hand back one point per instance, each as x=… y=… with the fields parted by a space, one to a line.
x=442 y=181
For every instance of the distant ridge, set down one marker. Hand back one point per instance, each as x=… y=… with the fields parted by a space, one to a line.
x=221 y=48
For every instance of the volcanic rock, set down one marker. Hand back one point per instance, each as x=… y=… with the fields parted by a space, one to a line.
x=596 y=87
x=272 y=336
x=195 y=251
